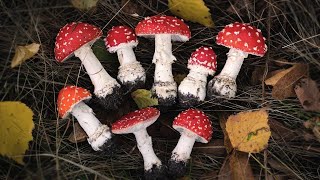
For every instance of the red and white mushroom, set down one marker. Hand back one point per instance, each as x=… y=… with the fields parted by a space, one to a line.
x=164 y=29
x=76 y=39
x=192 y=89
x=71 y=100
x=242 y=39
x=136 y=122
x=122 y=39
x=193 y=126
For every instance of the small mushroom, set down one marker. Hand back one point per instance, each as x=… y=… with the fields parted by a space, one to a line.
x=192 y=90
x=76 y=39
x=164 y=29
x=122 y=39
x=71 y=100
x=137 y=122
x=242 y=39
x=193 y=125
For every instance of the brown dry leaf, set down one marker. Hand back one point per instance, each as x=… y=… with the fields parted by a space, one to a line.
x=284 y=82
x=131 y=7
x=23 y=53
x=258 y=73
x=314 y=125
x=308 y=94
x=277 y=75
x=78 y=134
x=240 y=166
x=249 y=131
x=84 y=5
x=227 y=143
x=225 y=170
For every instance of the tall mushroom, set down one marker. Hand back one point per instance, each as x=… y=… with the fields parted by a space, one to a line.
x=164 y=29
x=76 y=39
x=136 y=122
x=242 y=39
x=122 y=39
x=192 y=90
x=193 y=126
x=71 y=100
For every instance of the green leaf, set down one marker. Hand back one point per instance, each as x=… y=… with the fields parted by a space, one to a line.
x=99 y=49
x=143 y=98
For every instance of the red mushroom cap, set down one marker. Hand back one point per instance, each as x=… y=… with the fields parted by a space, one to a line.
x=243 y=37
x=119 y=37
x=205 y=59
x=194 y=122
x=153 y=25
x=135 y=121
x=70 y=96
x=72 y=36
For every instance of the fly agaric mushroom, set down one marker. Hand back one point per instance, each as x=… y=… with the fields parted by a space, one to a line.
x=70 y=100
x=193 y=125
x=164 y=29
x=76 y=39
x=122 y=39
x=242 y=39
x=192 y=89
x=136 y=122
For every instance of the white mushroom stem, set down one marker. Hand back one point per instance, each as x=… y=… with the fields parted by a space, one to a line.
x=97 y=133
x=195 y=84
x=144 y=142
x=102 y=81
x=233 y=63
x=163 y=72
x=126 y=56
x=184 y=147
x=163 y=49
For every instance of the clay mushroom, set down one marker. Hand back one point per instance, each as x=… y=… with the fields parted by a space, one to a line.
x=137 y=122
x=76 y=39
x=192 y=90
x=193 y=125
x=164 y=29
x=71 y=100
x=122 y=39
x=242 y=39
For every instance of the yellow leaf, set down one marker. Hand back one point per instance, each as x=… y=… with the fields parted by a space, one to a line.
x=84 y=5
x=192 y=10
x=23 y=53
x=143 y=98
x=249 y=131
x=275 y=78
x=15 y=130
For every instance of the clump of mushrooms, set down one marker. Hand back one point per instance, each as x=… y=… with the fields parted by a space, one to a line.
x=164 y=29
x=76 y=39
x=136 y=122
x=71 y=101
x=242 y=39
x=193 y=126
x=192 y=90
x=122 y=39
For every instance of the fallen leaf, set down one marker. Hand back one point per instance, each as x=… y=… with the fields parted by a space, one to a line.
x=240 y=166
x=284 y=81
x=277 y=75
x=143 y=98
x=249 y=131
x=131 y=7
x=78 y=134
x=314 y=125
x=179 y=77
x=23 y=53
x=308 y=94
x=192 y=10
x=16 y=129
x=227 y=143
x=280 y=131
x=100 y=51
x=225 y=170
x=84 y=5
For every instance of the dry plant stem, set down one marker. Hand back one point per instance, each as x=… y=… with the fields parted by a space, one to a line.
x=102 y=81
x=224 y=84
x=164 y=85
x=130 y=70
x=183 y=149
x=98 y=134
x=144 y=142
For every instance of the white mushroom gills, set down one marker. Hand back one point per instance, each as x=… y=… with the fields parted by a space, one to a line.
x=183 y=148
x=163 y=59
x=98 y=134
x=130 y=69
x=102 y=81
x=233 y=63
x=144 y=143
